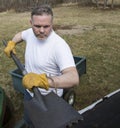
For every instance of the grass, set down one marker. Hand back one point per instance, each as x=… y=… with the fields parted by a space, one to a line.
x=98 y=39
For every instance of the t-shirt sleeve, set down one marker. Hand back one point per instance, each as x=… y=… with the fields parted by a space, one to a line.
x=26 y=34
x=64 y=57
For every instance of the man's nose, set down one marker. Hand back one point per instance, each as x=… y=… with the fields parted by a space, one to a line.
x=41 y=29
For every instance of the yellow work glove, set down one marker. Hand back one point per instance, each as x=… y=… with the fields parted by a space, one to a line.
x=10 y=48
x=31 y=80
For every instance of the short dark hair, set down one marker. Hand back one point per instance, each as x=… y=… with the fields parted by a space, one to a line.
x=41 y=10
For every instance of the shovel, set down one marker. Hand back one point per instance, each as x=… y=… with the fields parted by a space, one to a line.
x=49 y=111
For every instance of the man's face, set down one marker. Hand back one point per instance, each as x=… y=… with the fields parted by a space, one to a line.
x=41 y=25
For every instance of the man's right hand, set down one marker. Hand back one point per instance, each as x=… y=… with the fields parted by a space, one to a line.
x=10 y=48
x=31 y=80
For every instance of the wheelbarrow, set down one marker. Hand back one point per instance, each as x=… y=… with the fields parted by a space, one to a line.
x=69 y=94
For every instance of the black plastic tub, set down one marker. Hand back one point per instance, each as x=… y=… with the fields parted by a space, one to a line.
x=6 y=110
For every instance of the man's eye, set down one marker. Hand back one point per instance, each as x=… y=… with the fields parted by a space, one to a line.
x=47 y=26
x=37 y=26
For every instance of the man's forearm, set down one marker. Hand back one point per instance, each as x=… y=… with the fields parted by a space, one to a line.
x=68 y=79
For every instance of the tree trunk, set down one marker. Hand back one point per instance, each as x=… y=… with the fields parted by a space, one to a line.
x=112 y=4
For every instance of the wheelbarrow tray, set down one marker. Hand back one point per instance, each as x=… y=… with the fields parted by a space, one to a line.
x=17 y=76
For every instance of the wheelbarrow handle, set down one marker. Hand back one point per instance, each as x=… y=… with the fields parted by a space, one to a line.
x=24 y=72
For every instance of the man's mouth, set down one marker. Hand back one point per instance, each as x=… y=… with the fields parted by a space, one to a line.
x=39 y=36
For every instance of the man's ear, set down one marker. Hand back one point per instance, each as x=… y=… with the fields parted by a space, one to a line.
x=31 y=21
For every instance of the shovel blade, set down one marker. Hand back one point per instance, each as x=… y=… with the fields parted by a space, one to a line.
x=59 y=113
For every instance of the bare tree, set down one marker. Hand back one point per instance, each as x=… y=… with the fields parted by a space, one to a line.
x=99 y=1
x=105 y=3
x=112 y=4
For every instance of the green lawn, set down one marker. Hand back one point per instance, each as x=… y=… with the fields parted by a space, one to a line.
x=90 y=32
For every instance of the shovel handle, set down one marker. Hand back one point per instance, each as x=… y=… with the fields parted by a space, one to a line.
x=24 y=72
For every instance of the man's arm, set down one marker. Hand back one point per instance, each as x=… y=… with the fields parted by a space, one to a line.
x=69 y=78
x=17 y=38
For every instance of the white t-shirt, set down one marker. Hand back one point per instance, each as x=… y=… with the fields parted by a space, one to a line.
x=49 y=56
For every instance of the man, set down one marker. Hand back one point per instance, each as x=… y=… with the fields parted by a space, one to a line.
x=48 y=58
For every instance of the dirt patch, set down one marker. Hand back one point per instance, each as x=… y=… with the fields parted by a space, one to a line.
x=71 y=30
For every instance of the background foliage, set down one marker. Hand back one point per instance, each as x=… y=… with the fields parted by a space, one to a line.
x=23 y=5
